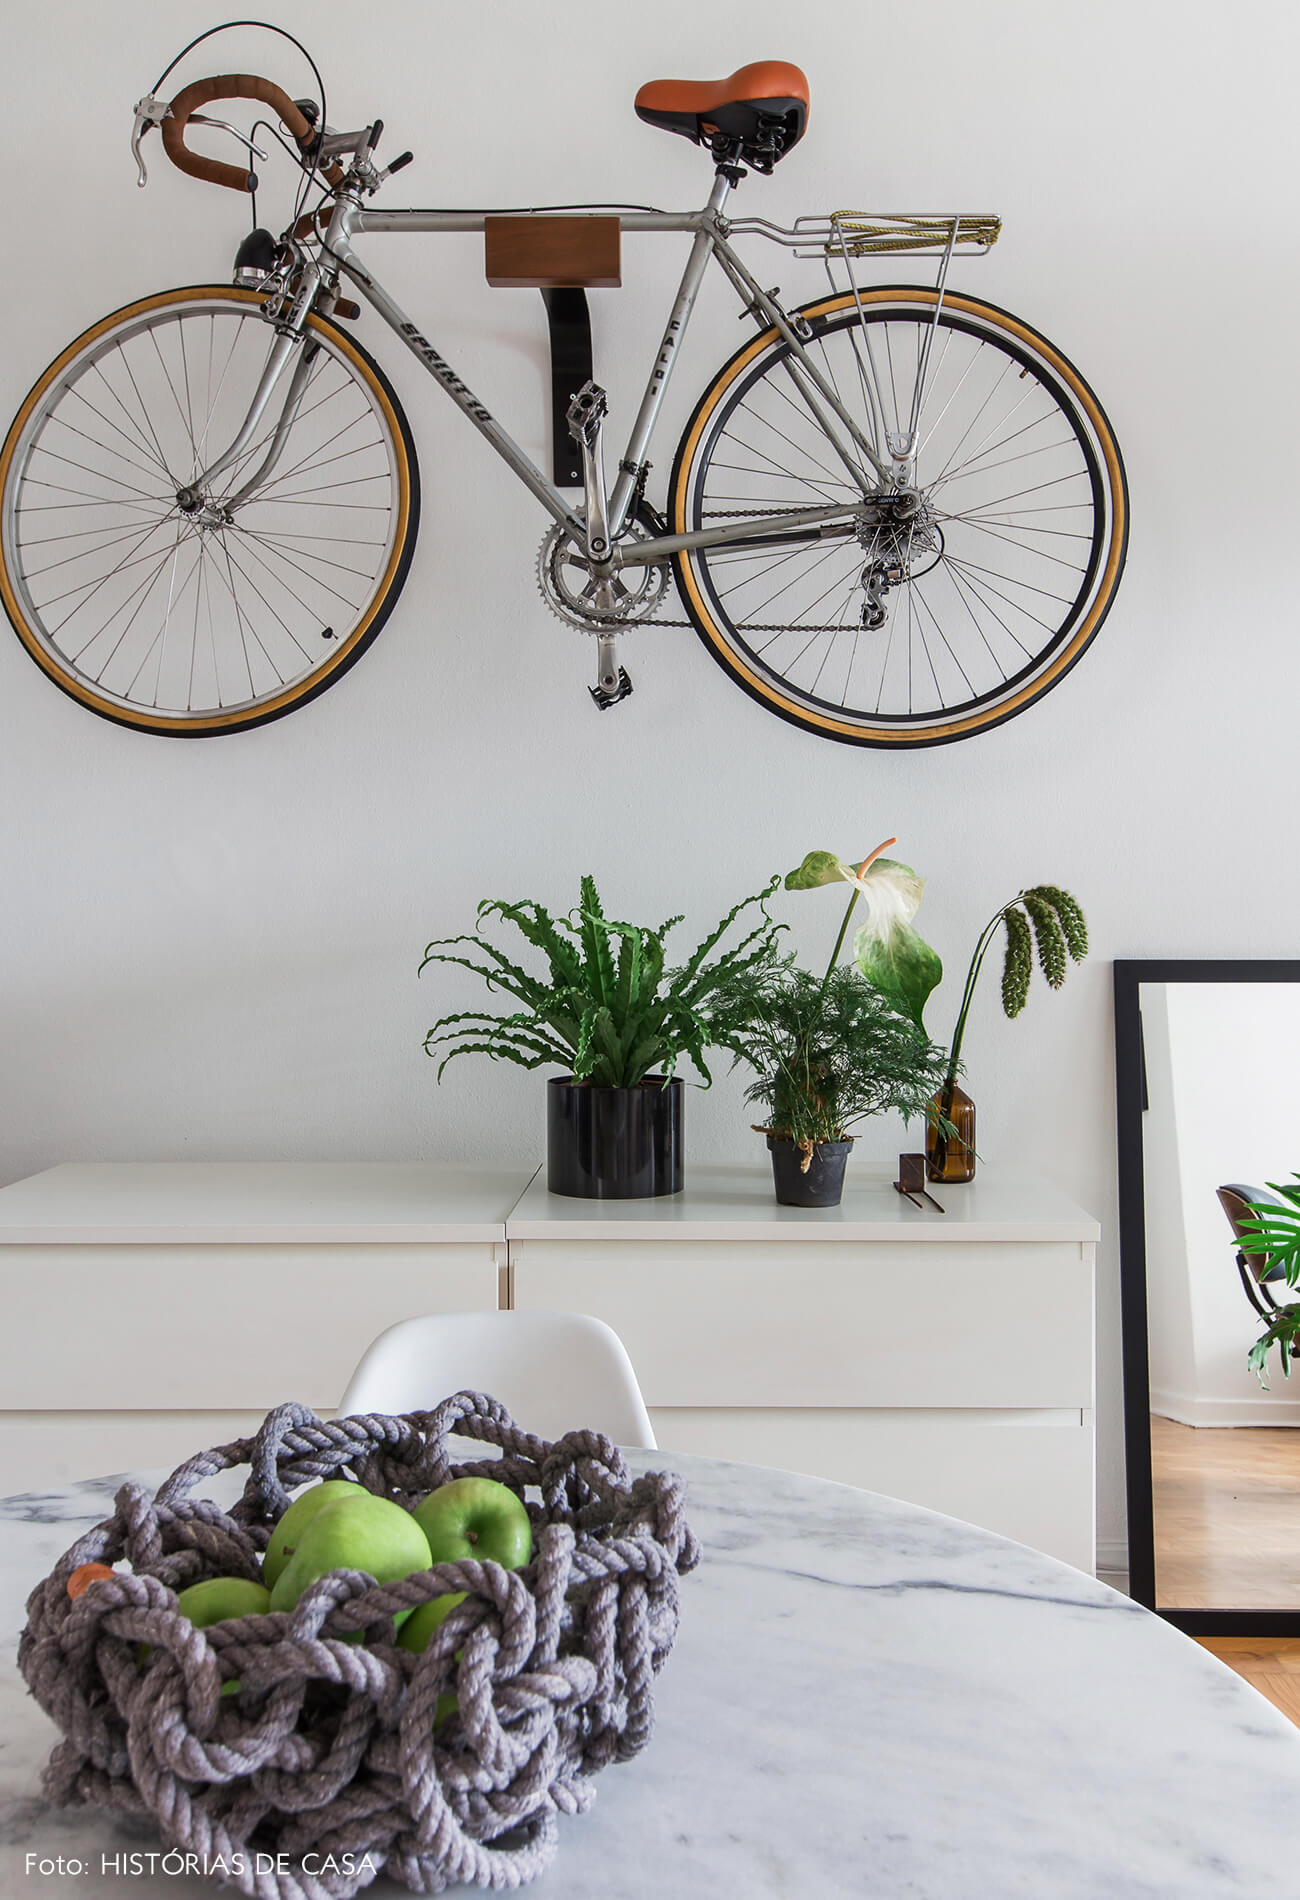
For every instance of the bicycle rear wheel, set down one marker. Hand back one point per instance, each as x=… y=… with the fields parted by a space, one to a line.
x=190 y=624
x=989 y=595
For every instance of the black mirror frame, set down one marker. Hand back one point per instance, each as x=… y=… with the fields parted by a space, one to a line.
x=1130 y=974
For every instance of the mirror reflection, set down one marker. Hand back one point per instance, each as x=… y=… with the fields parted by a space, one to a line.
x=1219 y=1113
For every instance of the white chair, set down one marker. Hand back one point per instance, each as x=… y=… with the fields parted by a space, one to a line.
x=553 y=1372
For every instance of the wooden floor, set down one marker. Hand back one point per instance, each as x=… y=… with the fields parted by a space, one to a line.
x=1227 y=1517
x=1270 y=1665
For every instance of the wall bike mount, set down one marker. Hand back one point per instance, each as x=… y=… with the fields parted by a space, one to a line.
x=569 y=321
x=563 y=257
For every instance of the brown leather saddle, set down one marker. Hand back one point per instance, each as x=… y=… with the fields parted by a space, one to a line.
x=757 y=114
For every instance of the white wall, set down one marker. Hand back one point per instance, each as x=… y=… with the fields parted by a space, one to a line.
x=210 y=948
x=1222 y=1108
x=1171 y=1351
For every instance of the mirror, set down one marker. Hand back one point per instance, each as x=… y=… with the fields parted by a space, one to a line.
x=1205 y=1097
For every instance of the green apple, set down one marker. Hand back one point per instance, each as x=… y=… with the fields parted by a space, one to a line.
x=217 y=1600
x=220 y=1598
x=425 y=1619
x=476 y=1517
x=360 y=1532
x=284 y=1538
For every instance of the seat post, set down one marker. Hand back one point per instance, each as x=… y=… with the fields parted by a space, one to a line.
x=729 y=173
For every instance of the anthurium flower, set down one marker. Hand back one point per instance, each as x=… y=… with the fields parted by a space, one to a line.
x=892 y=956
x=823 y=867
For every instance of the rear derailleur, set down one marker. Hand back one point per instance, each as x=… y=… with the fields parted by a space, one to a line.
x=901 y=540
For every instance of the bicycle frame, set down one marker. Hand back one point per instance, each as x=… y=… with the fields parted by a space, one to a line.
x=349 y=217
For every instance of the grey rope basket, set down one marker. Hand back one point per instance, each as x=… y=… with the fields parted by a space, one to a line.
x=326 y=1753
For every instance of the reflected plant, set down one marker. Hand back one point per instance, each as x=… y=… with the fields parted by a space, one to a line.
x=1274 y=1232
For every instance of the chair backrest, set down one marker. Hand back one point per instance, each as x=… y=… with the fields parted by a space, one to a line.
x=554 y=1372
x=1234 y=1198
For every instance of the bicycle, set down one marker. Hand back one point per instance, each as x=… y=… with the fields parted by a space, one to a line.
x=897 y=515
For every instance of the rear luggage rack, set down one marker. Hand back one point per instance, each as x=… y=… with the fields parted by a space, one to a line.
x=872 y=233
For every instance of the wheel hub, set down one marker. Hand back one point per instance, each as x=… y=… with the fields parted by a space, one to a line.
x=899 y=545
x=201 y=511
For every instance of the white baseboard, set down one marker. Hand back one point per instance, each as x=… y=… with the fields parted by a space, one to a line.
x=1112 y=1553
x=1185 y=1408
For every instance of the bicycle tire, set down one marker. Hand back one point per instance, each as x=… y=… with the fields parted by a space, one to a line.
x=933 y=685
x=166 y=376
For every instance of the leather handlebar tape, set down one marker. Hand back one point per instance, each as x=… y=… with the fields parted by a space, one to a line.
x=216 y=171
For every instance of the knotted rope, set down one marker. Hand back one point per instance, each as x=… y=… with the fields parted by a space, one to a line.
x=323 y=1766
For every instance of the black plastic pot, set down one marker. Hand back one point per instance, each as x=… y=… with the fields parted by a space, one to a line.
x=605 y=1144
x=823 y=1182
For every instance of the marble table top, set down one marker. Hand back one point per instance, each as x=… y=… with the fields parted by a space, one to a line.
x=865 y=1699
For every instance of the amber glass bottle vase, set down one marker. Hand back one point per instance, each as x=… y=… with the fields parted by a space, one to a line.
x=951 y=1157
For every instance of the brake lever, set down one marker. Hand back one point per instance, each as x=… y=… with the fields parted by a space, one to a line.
x=148 y=112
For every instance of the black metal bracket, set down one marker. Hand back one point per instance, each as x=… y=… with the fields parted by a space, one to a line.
x=570 y=325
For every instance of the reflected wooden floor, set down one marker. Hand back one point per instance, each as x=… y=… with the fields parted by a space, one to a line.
x=1227 y=1517
x=1271 y=1665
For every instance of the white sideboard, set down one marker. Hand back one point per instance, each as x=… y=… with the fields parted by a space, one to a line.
x=154 y=1308
x=943 y=1358
x=151 y=1309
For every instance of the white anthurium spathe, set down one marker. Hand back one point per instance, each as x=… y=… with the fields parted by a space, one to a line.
x=892 y=956
x=889 y=953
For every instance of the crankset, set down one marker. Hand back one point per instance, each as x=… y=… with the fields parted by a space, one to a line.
x=602 y=604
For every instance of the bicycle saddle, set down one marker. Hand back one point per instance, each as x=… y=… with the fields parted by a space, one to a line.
x=763 y=108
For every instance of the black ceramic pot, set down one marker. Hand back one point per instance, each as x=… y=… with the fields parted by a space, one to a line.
x=605 y=1144
x=823 y=1182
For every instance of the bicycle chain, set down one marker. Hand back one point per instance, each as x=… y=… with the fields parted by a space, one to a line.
x=655 y=620
x=779 y=626
x=730 y=514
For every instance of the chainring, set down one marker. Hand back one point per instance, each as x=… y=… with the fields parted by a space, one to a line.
x=567 y=585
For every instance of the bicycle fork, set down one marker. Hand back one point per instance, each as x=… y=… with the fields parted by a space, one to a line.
x=195 y=497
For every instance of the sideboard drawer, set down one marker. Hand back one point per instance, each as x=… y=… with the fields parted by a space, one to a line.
x=1024 y=1474
x=838 y=1323
x=217 y=1327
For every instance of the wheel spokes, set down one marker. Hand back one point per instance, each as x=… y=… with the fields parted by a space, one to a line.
x=194 y=614
x=979 y=588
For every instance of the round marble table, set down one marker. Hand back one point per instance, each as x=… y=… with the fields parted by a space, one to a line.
x=865 y=1699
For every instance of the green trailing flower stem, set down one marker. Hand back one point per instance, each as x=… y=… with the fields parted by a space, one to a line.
x=968 y=997
x=1041 y=917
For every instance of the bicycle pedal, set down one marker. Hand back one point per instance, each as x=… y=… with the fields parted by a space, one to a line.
x=586 y=412
x=605 y=699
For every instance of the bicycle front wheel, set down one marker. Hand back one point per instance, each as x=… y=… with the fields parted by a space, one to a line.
x=920 y=632
x=236 y=612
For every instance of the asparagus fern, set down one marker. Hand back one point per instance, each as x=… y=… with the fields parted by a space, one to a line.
x=829 y=1051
